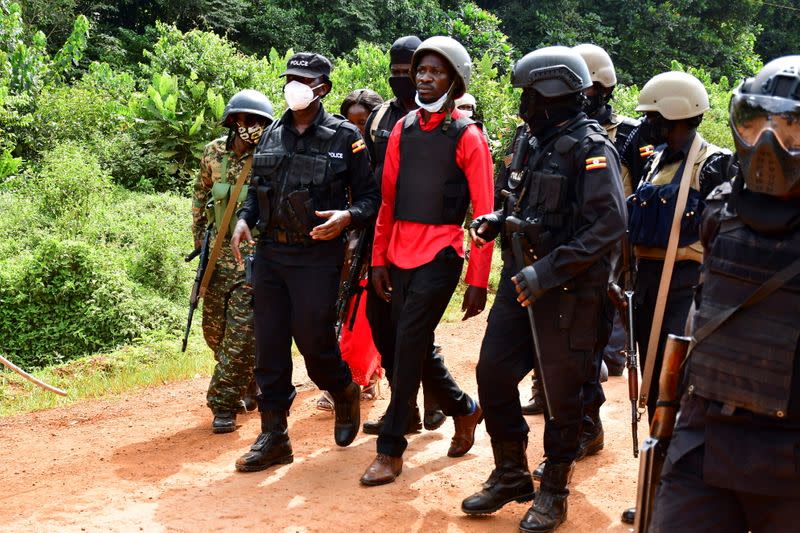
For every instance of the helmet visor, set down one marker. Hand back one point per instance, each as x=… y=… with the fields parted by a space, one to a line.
x=752 y=115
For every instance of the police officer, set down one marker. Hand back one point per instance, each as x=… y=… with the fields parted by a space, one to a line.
x=437 y=163
x=228 y=301
x=379 y=313
x=305 y=167
x=569 y=201
x=674 y=103
x=734 y=462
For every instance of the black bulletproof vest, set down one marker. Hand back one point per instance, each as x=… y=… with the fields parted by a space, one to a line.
x=292 y=185
x=551 y=188
x=380 y=141
x=748 y=361
x=431 y=188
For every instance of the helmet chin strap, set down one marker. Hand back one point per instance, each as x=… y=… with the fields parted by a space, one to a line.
x=449 y=104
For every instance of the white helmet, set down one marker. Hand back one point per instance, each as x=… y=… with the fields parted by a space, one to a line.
x=676 y=95
x=600 y=65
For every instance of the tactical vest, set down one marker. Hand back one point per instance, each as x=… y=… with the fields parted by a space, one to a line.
x=431 y=188
x=220 y=194
x=290 y=186
x=748 y=361
x=620 y=129
x=551 y=186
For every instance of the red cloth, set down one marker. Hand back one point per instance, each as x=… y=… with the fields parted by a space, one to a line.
x=356 y=345
x=408 y=244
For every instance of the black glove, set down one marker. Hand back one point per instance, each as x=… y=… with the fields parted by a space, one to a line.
x=494 y=224
x=527 y=284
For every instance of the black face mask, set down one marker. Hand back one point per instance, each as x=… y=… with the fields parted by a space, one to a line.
x=593 y=104
x=403 y=87
x=658 y=129
x=540 y=117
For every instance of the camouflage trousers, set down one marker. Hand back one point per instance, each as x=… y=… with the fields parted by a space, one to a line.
x=228 y=330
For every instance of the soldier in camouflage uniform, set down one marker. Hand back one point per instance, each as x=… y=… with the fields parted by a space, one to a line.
x=228 y=301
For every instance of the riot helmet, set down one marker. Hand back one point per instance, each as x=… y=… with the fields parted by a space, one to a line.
x=675 y=95
x=454 y=53
x=604 y=77
x=765 y=119
x=253 y=103
x=553 y=79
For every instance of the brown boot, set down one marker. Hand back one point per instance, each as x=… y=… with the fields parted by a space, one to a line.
x=464 y=437
x=384 y=469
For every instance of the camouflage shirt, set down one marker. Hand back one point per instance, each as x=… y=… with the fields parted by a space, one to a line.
x=211 y=168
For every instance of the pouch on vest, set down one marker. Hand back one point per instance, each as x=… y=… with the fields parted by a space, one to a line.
x=264 y=192
x=306 y=169
x=651 y=208
x=267 y=165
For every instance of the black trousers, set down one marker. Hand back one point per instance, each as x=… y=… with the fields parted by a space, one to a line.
x=379 y=315
x=567 y=325
x=684 y=502
x=295 y=302
x=612 y=353
x=685 y=276
x=419 y=299
x=593 y=396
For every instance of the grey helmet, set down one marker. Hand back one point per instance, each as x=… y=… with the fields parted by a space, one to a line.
x=452 y=50
x=247 y=101
x=765 y=119
x=552 y=71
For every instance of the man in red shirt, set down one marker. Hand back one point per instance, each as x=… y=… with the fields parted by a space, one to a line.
x=437 y=161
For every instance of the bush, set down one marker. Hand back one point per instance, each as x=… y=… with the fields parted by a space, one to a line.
x=67 y=301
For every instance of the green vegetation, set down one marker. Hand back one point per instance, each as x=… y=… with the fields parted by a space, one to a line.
x=105 y=107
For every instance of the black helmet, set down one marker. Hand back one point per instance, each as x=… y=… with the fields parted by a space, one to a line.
x=552 y=71
x=247 y=101
x=765 y=119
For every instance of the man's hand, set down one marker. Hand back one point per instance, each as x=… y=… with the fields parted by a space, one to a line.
x=241 y=233
x=474 y=302
x=333 y=227
x=382 y=283
x=485 y=228
x=526 y=282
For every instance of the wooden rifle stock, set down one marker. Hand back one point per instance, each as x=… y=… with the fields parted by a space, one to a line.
x=654 y=450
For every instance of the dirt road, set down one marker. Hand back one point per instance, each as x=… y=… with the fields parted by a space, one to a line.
x=148 y=462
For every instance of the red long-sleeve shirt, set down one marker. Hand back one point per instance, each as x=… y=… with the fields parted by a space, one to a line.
x=407 y=244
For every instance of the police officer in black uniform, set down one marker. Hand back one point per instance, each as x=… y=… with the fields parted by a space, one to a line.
x=569 y=199
x=379 y=313
x=734 y=461
x=305 y=167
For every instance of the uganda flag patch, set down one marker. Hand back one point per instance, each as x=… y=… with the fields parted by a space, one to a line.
x=646 y=151
x=597 y=162
x=358 y=146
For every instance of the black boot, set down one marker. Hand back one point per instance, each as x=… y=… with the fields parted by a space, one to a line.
x=550 y=509
x=374 y=427
x=224 y=422
x=629 y=515
x=434 y=417
x=272 y=446
x=536 y=404
x=509 y=481
x=591 y=441
x=347 y=406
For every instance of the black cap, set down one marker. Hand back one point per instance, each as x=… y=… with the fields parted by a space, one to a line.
x=308 y=65
x=403 y=49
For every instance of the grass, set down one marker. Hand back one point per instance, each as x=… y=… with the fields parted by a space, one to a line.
x=152 y=361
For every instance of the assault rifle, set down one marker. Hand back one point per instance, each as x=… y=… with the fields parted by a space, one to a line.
x=349 y=285
x=654 y=449
x=203 y=251
x=631 y=354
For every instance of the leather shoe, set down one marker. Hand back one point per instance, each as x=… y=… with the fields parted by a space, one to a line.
x=384 y=469
x=347 y=406
x=224 y=422
x=629 y=515
x=464 y=436
x=374 y=427
x=433 y=419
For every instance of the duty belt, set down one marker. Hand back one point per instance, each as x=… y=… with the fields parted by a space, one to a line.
x=282 y=236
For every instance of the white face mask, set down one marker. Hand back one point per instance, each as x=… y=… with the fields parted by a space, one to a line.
x=433 y=107
x=466 y=112
x=299 y=95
